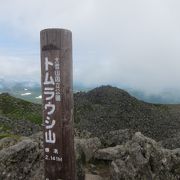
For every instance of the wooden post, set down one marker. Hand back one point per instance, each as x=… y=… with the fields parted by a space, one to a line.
x=57 y=95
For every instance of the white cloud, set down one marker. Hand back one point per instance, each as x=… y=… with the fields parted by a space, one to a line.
x=19 y=68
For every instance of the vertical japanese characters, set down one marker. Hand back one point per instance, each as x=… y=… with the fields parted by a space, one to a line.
x=52 y=95
x=50 y=136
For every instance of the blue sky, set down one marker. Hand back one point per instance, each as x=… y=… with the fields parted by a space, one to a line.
x=132 y=43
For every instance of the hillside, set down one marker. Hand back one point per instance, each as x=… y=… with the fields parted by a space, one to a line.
x=18 y=116
x=100 y=111
x=108 y=108
x=107 y=144
x=19 y=109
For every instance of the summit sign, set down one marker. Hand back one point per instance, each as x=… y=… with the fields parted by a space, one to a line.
x=57 y=95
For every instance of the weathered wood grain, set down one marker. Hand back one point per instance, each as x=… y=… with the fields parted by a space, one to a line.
x=57 y=44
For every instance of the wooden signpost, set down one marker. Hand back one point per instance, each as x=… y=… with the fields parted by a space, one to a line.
x=57 y=95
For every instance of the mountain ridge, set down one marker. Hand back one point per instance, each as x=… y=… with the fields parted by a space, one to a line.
x=107 y=108
x=102 y=110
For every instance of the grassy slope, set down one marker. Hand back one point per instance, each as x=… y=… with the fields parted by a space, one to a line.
x=19 y=109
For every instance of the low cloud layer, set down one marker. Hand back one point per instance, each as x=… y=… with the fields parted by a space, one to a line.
x=125 y=43
x=19 y=69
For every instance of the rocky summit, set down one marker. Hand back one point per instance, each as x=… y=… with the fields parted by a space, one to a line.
x=140 y=158
x=107 y=108
x=117 y=137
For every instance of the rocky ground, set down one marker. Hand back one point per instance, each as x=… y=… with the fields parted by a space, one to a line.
x=117 y=137
x=106 y=109
x=134 y=157
x=17 y=127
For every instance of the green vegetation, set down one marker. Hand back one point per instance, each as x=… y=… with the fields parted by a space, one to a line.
x=4 y=128
x=9 y=135
x=19 y=109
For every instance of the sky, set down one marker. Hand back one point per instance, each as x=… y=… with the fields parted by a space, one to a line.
x=125 y=43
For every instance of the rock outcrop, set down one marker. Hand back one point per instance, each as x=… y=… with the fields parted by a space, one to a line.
x=107 y=108
x=143 y=158
x=17 y=161
x=171 y=143
x=22 y=157
x=117 y=137
x=140 y=158
x=88 y=147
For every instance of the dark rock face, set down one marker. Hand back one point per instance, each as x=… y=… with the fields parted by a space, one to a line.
x=142 y=158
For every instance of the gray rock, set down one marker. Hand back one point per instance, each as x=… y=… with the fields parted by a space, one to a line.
x=80 y=162
x=23 y=158
x=88 y=146
x=93 y=177
x=143 y=158
x=17 y=161
x=171 y=143
x=117 y=137
x=110 y=153
x=8 y=141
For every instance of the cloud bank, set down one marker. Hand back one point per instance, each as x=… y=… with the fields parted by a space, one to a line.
x=124 y=43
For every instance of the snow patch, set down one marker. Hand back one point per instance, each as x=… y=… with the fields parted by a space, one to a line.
x=26 y=94
x=39 y=97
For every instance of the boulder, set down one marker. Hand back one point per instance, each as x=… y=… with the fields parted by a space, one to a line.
x=17 y=161
x=143 y=158
x=117 y=137
x=80 y=162
x=8 y=141
x=88 y=146
x=22 y=158
x=109 y=153
x=93 y=177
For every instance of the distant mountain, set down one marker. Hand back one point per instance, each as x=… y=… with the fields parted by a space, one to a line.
x=27 y=90
x=31 y=91
x=108 y=108
x=104 y=109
